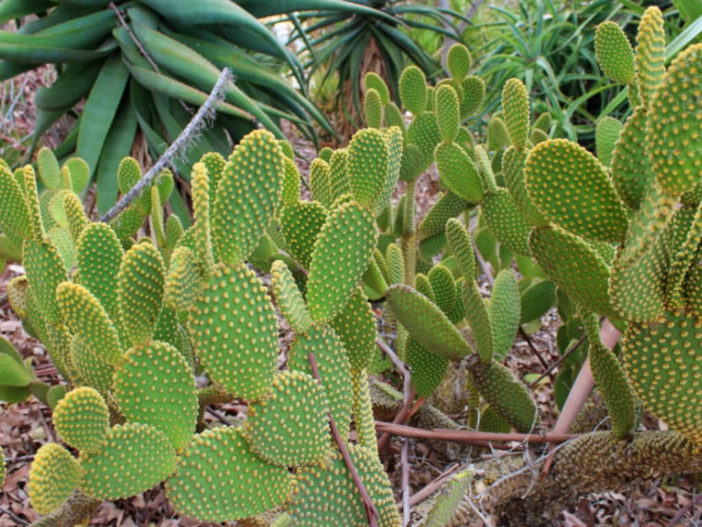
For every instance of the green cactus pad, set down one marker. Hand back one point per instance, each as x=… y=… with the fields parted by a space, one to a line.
x=423 y=132
x=45 y=271
x=200 y=191
x=12 y=369
x=291 y=183
x=133 y=458
x=425 y=322
x=289 y=298
x=367 y=166
x=375 y=82
x=82 y=419
x=99 y=256
x=75 y=174
x=614 y=53
x=373 y=109
x=631 y=168
x=491 y=421
x=341 y=254
x=662 y=361
x=606 y=135
x=423 y=286
x=413 y=90
x=682 y=260
x=458 y=173
x=182 y=284
x=473 y=95
x=515 y=102
x=478 y=318
x=650 y=53
x=48 y=168
x=513 y=165
x=614 y=389
x=334 y=370
x=393 y=117
x=355 y=325
x=506 y=221
x=338 y=179
x=452 y=493
x=459 y=61
x=412 y=161
x=673 y=125
x=428 y=369
x=289 y=427
x=128 y=174
x=141 y=284
x=537 y=299
x=447 y=206
x=571 y=188
x=444 y=288
x=460 y=243
x=505 y=313
x=235 y=333
x=394 y=142
x=87 y=367
x=17 y=291
x=574 y=266
x=254 y=170
x=364 y=420
x=447 y=108
x=301 y=223
x=505 y=394
x=31 y=198
x=327 y=495
x=54 y=475
x=154 y=386
x=87 y=318
x=320 y=185
x=396 y=264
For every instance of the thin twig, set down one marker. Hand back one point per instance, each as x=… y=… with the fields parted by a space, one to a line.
x=682 y=512
x=408 y=392
x=177 y=146
x=534 y=350
x=432 y=487
x=371 y=512
x=218 y=416
x=553 y=366
x=12 y=515
x=470 y=436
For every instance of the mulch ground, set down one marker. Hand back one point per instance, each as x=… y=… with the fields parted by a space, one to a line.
x=24 y=427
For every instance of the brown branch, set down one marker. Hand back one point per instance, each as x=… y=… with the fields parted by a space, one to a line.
x=470 y=436
x=534 y=350
x=371 y=512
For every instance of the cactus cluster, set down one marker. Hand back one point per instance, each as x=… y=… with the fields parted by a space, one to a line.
x=131 y=323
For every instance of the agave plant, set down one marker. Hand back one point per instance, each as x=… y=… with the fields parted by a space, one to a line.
x=142 y=65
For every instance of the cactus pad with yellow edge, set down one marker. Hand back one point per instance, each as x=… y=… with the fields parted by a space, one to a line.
x=341 y=254
x=254 y=170
x=650 y=53
x=614 y=53
x=473 y=95
x=367 y=166
x=182 y=284
x=289 y=427
x=425 y=322
x=320 y=185
x=219 y=479
x=506 y=221
x=45 y=271
x=154 y=386
x=631 y=167
x=88 y=319
x=428 y=369
x=663 y=362
x=373 y=108
x=87 y=367
x=326 y=495
x=447 y=206
x=413 y=90
x=141 y=284
x=424 y=133
x=574 y=266
x=505 y=394
x=355 y=325
x=82 y=419
x=572 y=189
x=505 y=313
x=133 y=458
x=513 y=166
x=54 y=475
x=458 y=173
x=291 y=182
x=235 y=333
x=447 y=108
x=674 y=124
x=515 y=102
x=99 y=256
x=444 y=288
x=373 y=81
x=614 y=388
x=289 y=298
x=334 y=370
x=458 y=61
x=301 y=223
